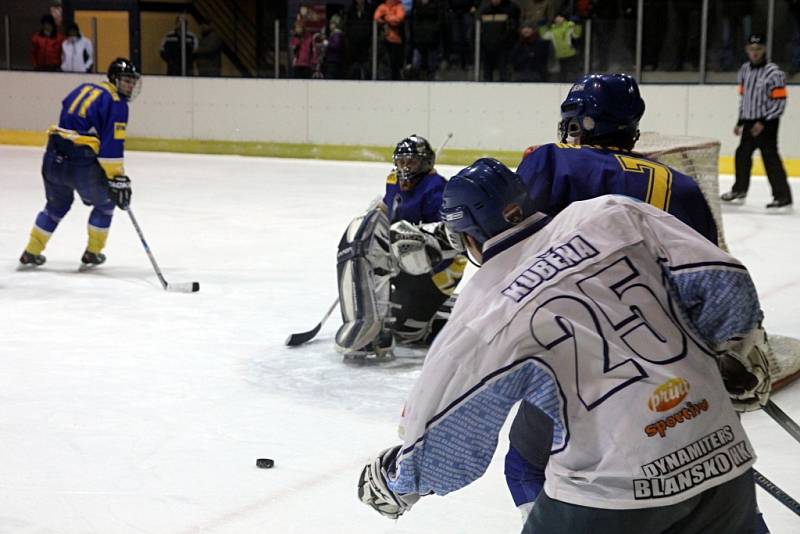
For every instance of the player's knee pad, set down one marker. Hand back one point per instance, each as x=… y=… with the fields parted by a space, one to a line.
x=101 y=216
x=56 y=209
x=364 y=269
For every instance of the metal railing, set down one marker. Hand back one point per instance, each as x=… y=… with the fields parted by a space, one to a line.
x=625 y=43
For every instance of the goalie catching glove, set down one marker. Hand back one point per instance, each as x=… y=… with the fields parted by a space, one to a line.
x=744 y=365
x=119 y=190
x=418 y=249
x=374 y=491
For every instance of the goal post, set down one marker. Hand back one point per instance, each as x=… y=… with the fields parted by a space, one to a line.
x=698 y=157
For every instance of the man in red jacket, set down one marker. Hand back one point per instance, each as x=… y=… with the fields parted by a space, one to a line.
x=46 y=45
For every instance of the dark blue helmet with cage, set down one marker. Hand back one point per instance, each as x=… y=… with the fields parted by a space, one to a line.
x=482 y=201
x=413 y=159
x=602 y=109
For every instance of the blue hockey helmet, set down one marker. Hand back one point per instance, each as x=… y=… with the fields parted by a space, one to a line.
x=482 y=200
x=602 y=108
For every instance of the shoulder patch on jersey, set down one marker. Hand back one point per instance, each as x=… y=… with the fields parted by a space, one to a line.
x=119 y=130
x=392 y=178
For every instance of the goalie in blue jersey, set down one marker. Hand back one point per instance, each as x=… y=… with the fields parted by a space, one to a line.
x=84 y=155
x=394 y=266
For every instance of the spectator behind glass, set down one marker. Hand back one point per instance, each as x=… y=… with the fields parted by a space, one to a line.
x=426 y=25
x=499 y=23
x=736 y=25
x=562 y=33
x=358 y=32
x=307 y=42
x=461 y=22
x=46 y=45
x=77 y=52
x=333 y=63
x=390 y=17
x=529 y=56
x=539 y=12
x=171 y=48
x=208 y=57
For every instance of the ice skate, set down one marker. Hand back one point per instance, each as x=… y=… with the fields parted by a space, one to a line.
x=732 y=197
x=780 y=206
x=30 y=261
x=90 y=260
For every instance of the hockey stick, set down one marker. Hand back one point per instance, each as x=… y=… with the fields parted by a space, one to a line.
x=782 y=419
x=783 y=497
x=444 y=143
x=187 y=287
x=303 y=337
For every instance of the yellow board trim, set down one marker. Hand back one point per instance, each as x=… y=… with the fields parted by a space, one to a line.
x=451 y=156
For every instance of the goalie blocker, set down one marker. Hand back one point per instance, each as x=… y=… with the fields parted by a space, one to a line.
x=392 y=283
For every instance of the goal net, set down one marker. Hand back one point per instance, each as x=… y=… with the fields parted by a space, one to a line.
x=698 y=157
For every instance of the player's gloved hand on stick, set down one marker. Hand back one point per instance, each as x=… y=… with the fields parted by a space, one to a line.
x=374 y=491
x=119 y=189
x=745 y=371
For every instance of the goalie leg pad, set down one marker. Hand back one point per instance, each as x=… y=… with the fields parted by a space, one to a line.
x=416 y=300
x=364 y=267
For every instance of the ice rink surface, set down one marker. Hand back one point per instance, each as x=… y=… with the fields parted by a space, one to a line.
x=127 y=409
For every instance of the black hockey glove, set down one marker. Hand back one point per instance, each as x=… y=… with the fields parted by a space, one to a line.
x=745 y=368
x=119 y=189
x=374 y=491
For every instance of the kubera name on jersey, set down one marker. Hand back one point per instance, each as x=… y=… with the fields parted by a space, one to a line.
x=550 y=263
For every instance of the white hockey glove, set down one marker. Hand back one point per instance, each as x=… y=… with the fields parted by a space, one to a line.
x=374 y=491
x=415 y=249
x=744 y=365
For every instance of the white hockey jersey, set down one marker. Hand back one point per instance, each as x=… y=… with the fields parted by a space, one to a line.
x=606 y=318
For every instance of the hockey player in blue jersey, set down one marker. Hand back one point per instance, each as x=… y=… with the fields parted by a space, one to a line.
x=84 y=154
x=598 y=131
x=592 y=316
x=393 y=273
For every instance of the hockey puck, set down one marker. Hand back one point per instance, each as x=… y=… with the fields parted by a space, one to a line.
x=195 y=287
x=265 y=463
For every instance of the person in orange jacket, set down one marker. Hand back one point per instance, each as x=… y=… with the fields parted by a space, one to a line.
x=46 y=45
x=391 y=15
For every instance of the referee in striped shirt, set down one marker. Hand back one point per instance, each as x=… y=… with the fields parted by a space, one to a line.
x=762 y=86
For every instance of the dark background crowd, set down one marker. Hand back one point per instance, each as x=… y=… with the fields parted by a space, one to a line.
x=525 y=40
x=516 y=40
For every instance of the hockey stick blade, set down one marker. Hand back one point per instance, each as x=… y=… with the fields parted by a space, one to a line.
x=186 y=287
x=783 y=497
x=303 y=337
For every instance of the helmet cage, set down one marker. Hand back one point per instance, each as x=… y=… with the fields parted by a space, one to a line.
x=413 y=158
x=123 y=69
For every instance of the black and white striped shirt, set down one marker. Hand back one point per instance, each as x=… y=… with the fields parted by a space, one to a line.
x=763 y=92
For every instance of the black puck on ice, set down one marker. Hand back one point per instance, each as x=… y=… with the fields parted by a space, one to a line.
x=265 y=463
